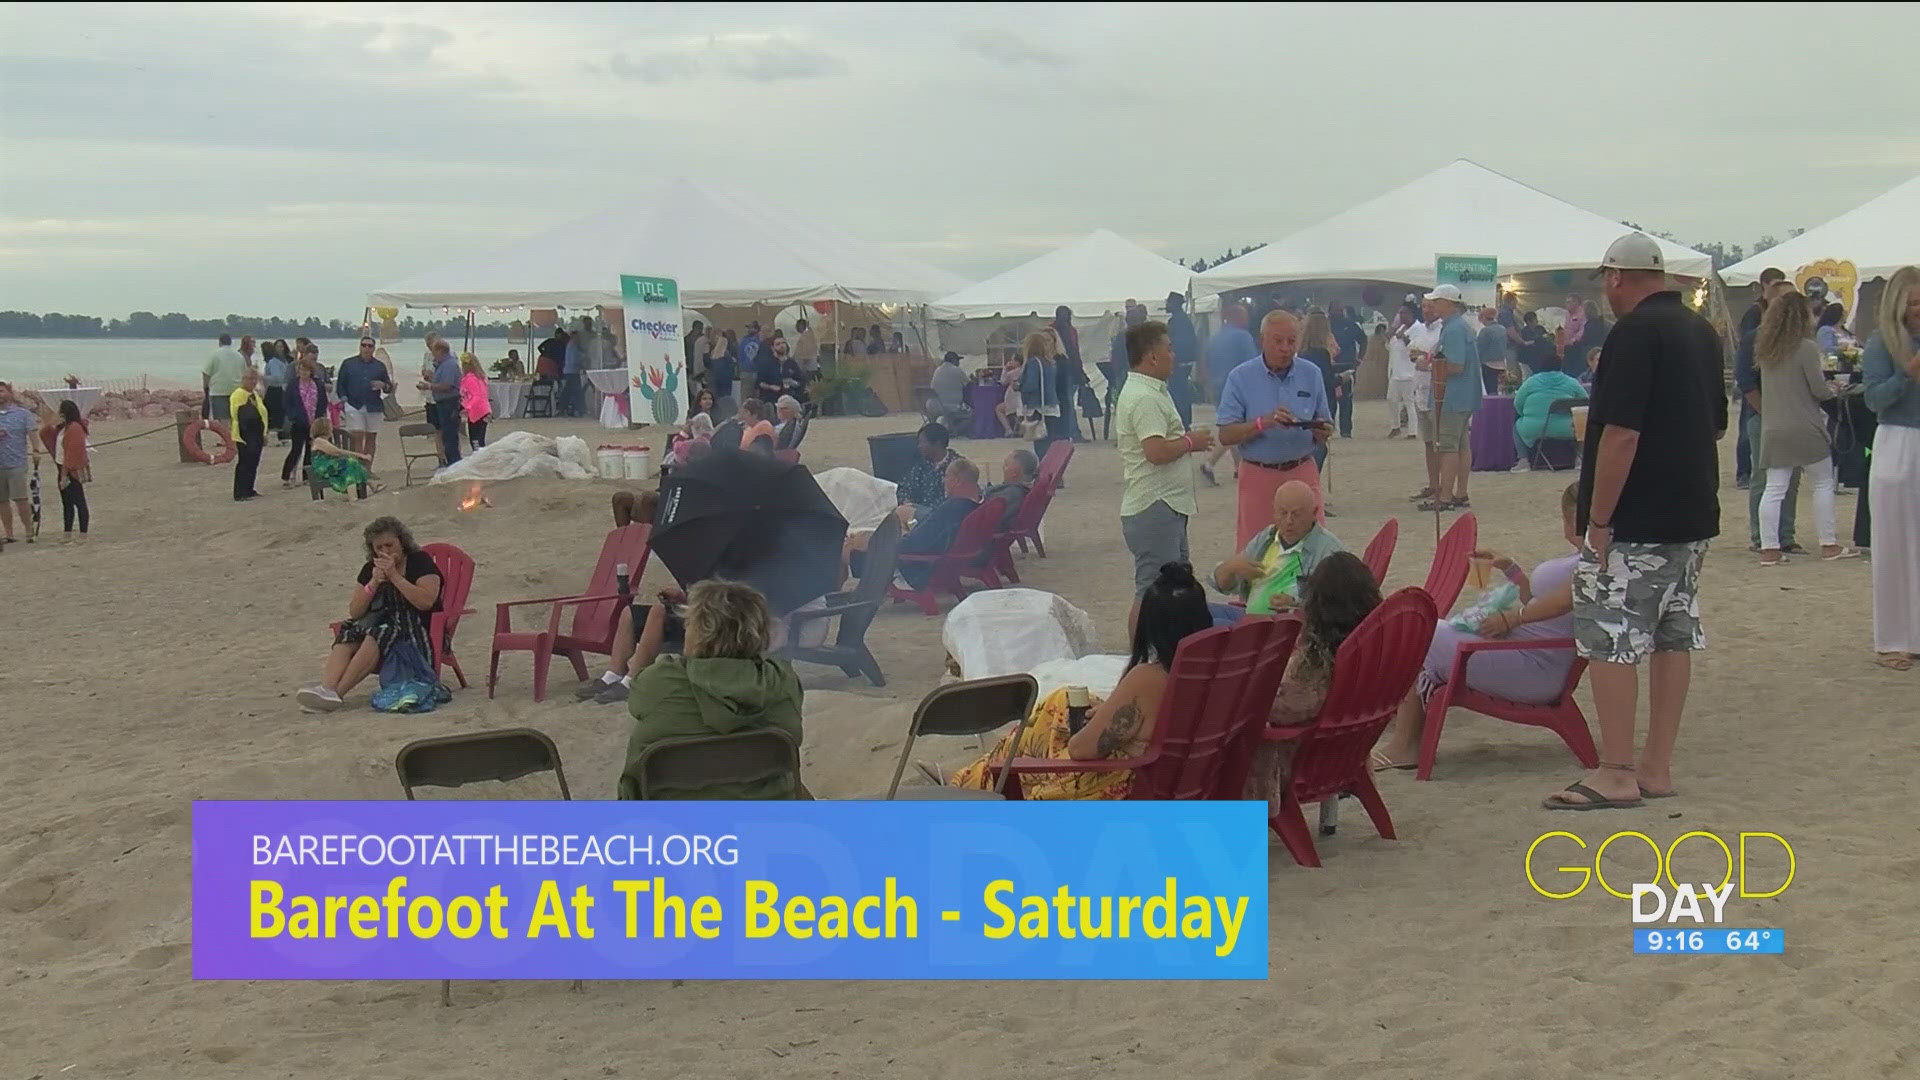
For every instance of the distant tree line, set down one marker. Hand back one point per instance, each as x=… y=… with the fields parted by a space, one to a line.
x=1724 y=255
x=1201 y=264
x=145 y=324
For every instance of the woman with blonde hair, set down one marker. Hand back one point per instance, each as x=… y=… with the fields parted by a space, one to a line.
x=1891 y=364
x=721 y=683
x=1793 y=427
x=304 y=406
x=1040 y=390
x=1318 y=344
x=474 y=401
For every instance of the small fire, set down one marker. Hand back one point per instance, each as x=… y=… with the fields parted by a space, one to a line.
x=474 y=500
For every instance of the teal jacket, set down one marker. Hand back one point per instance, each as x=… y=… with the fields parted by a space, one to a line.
x=676 y=697
x=1535 y=397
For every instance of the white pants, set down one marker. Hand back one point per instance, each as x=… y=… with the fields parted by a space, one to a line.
x=1820 y=475
x=1894 y=486
x=1400 y=404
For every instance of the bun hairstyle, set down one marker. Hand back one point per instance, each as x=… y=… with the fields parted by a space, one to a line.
x=1173 y=607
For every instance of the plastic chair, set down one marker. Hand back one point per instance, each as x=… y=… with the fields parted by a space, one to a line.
x=452 y=761
x=596 y=613
x=1379 y=553
x=1026 y=523
x=1553 y=453
x=1562 y=716
x=974 y=707
x=740 y=757
x=1054 y=465
x=1448 y=574
x=966 y=557
x=1219 y=689
x=1372 y=674
x=408 y=457
x=855 y=609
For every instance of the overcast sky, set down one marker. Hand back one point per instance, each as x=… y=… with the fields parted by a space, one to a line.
x=287 y=158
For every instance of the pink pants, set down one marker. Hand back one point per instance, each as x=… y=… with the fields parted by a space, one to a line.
x=1257 y=485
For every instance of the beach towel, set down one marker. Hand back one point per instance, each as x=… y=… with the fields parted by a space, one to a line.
x=407 y=682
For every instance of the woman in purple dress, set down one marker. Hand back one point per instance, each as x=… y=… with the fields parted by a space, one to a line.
x=1522 y=675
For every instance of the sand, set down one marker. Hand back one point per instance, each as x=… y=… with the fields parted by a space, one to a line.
x=156 y=664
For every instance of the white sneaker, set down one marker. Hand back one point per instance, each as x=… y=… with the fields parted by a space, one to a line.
x=1521 y=466
x=315 y=699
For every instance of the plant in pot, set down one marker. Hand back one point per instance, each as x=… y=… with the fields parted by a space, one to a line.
x=842 y=391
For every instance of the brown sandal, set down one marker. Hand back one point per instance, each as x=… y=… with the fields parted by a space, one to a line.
x=1894 y=661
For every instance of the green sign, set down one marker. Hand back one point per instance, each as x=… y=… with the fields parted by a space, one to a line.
x=1476 y=276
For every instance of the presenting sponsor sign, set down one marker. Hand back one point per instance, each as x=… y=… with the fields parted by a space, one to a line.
x=1476 y=276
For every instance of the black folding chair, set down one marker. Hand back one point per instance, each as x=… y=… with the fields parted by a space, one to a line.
x=452 y=761
x=967 y=708
x=697 y=761
x=1537 y=455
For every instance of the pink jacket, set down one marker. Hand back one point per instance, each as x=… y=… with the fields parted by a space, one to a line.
x=473 y=398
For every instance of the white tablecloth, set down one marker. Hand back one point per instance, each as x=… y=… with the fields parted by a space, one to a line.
x=83 y=396
x=506 y=396
x=608 y=383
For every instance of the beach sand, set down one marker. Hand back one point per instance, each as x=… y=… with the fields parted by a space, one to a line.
x=156 y=665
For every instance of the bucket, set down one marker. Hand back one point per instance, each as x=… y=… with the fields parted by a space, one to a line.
x=610 y=461
x=1579 y=423
x=639 y=467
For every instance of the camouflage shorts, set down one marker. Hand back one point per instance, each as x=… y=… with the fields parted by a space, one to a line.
x=1646 y=598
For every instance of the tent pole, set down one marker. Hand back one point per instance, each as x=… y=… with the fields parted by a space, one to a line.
x=469 y=345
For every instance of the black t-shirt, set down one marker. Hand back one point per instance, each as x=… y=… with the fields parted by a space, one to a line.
x=1662 y=375
x=419 y=565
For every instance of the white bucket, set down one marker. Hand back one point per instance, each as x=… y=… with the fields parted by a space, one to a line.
x=639 y=465
x=610 y=461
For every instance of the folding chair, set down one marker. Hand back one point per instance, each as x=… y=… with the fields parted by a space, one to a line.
x=539 y=400
x=974 y=708
x=697 y=761
x=415 y=431
x=451 y=761
x=1555 y=454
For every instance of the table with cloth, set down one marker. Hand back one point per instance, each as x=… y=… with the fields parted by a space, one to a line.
x=83 y=397
x=1492 y=437
x=507 y=396
x=610 y=390
x=983 y=399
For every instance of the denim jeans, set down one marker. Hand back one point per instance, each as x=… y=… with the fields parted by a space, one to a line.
x=450 y=430
x=1744 y=447
x=1757 y=487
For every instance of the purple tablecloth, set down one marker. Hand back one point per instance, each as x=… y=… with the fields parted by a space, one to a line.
x=983 y=400
x=1492 y=437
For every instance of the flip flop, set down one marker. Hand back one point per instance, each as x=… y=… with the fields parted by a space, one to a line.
x=1382 y=763
x=1894 y=662
x=1595 y=800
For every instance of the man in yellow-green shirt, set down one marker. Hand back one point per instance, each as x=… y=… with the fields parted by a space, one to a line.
x=1154 y=447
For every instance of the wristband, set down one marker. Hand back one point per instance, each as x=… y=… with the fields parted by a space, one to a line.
x=1259 y=424
x=1188 y=439
x=1607 y=525
x=367 y=588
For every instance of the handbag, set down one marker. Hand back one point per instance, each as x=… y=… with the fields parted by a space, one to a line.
x=390 y=408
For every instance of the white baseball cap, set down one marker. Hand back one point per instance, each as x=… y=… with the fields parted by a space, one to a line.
x=1634 y=251
x=1446 y=292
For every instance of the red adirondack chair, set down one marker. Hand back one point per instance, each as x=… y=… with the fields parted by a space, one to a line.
x=1448 y=574
x=1219 y=689
x=1379 y=553
x=1372 y=674
x=966 y=557
x=1026 y=524
x=1561 y=716
x=596 y=613
x=1054 y=465
x=456 y=581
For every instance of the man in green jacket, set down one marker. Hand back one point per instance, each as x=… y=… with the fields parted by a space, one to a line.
x=1270 y=573
x=721 y=684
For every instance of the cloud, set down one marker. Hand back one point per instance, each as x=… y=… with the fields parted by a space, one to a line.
x=1011 y=50
x=759 y=58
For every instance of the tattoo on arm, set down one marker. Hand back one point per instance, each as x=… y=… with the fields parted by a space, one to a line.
x=1120 y=730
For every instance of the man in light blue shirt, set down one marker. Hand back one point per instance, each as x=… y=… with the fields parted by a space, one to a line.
x=1274 y=412
x=1456 y=396
x=445 y=391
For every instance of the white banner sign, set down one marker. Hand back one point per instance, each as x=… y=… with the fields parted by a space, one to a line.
x=656 y=353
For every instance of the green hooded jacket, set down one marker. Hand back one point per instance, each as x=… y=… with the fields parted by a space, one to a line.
x=676 y=697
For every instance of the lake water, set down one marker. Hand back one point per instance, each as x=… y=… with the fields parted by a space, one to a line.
x=42 y=363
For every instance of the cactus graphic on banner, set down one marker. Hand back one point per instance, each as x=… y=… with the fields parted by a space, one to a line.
x=651 y=315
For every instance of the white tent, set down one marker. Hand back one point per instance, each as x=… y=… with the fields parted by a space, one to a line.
x=1462 y=208
x=725 y=248
x=1095 y=275
x=1877 y=237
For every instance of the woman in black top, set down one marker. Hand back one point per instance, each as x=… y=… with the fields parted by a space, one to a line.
x=393 y=602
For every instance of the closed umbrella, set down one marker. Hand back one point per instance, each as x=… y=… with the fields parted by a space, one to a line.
x=746 y=517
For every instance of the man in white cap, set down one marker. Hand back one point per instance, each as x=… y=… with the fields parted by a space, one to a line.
x=1456 y=396
x=1649 y=503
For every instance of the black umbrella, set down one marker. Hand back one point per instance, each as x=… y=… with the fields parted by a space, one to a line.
x=743 y=516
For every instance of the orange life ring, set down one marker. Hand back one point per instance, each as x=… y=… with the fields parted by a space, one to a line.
x=190 y=442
